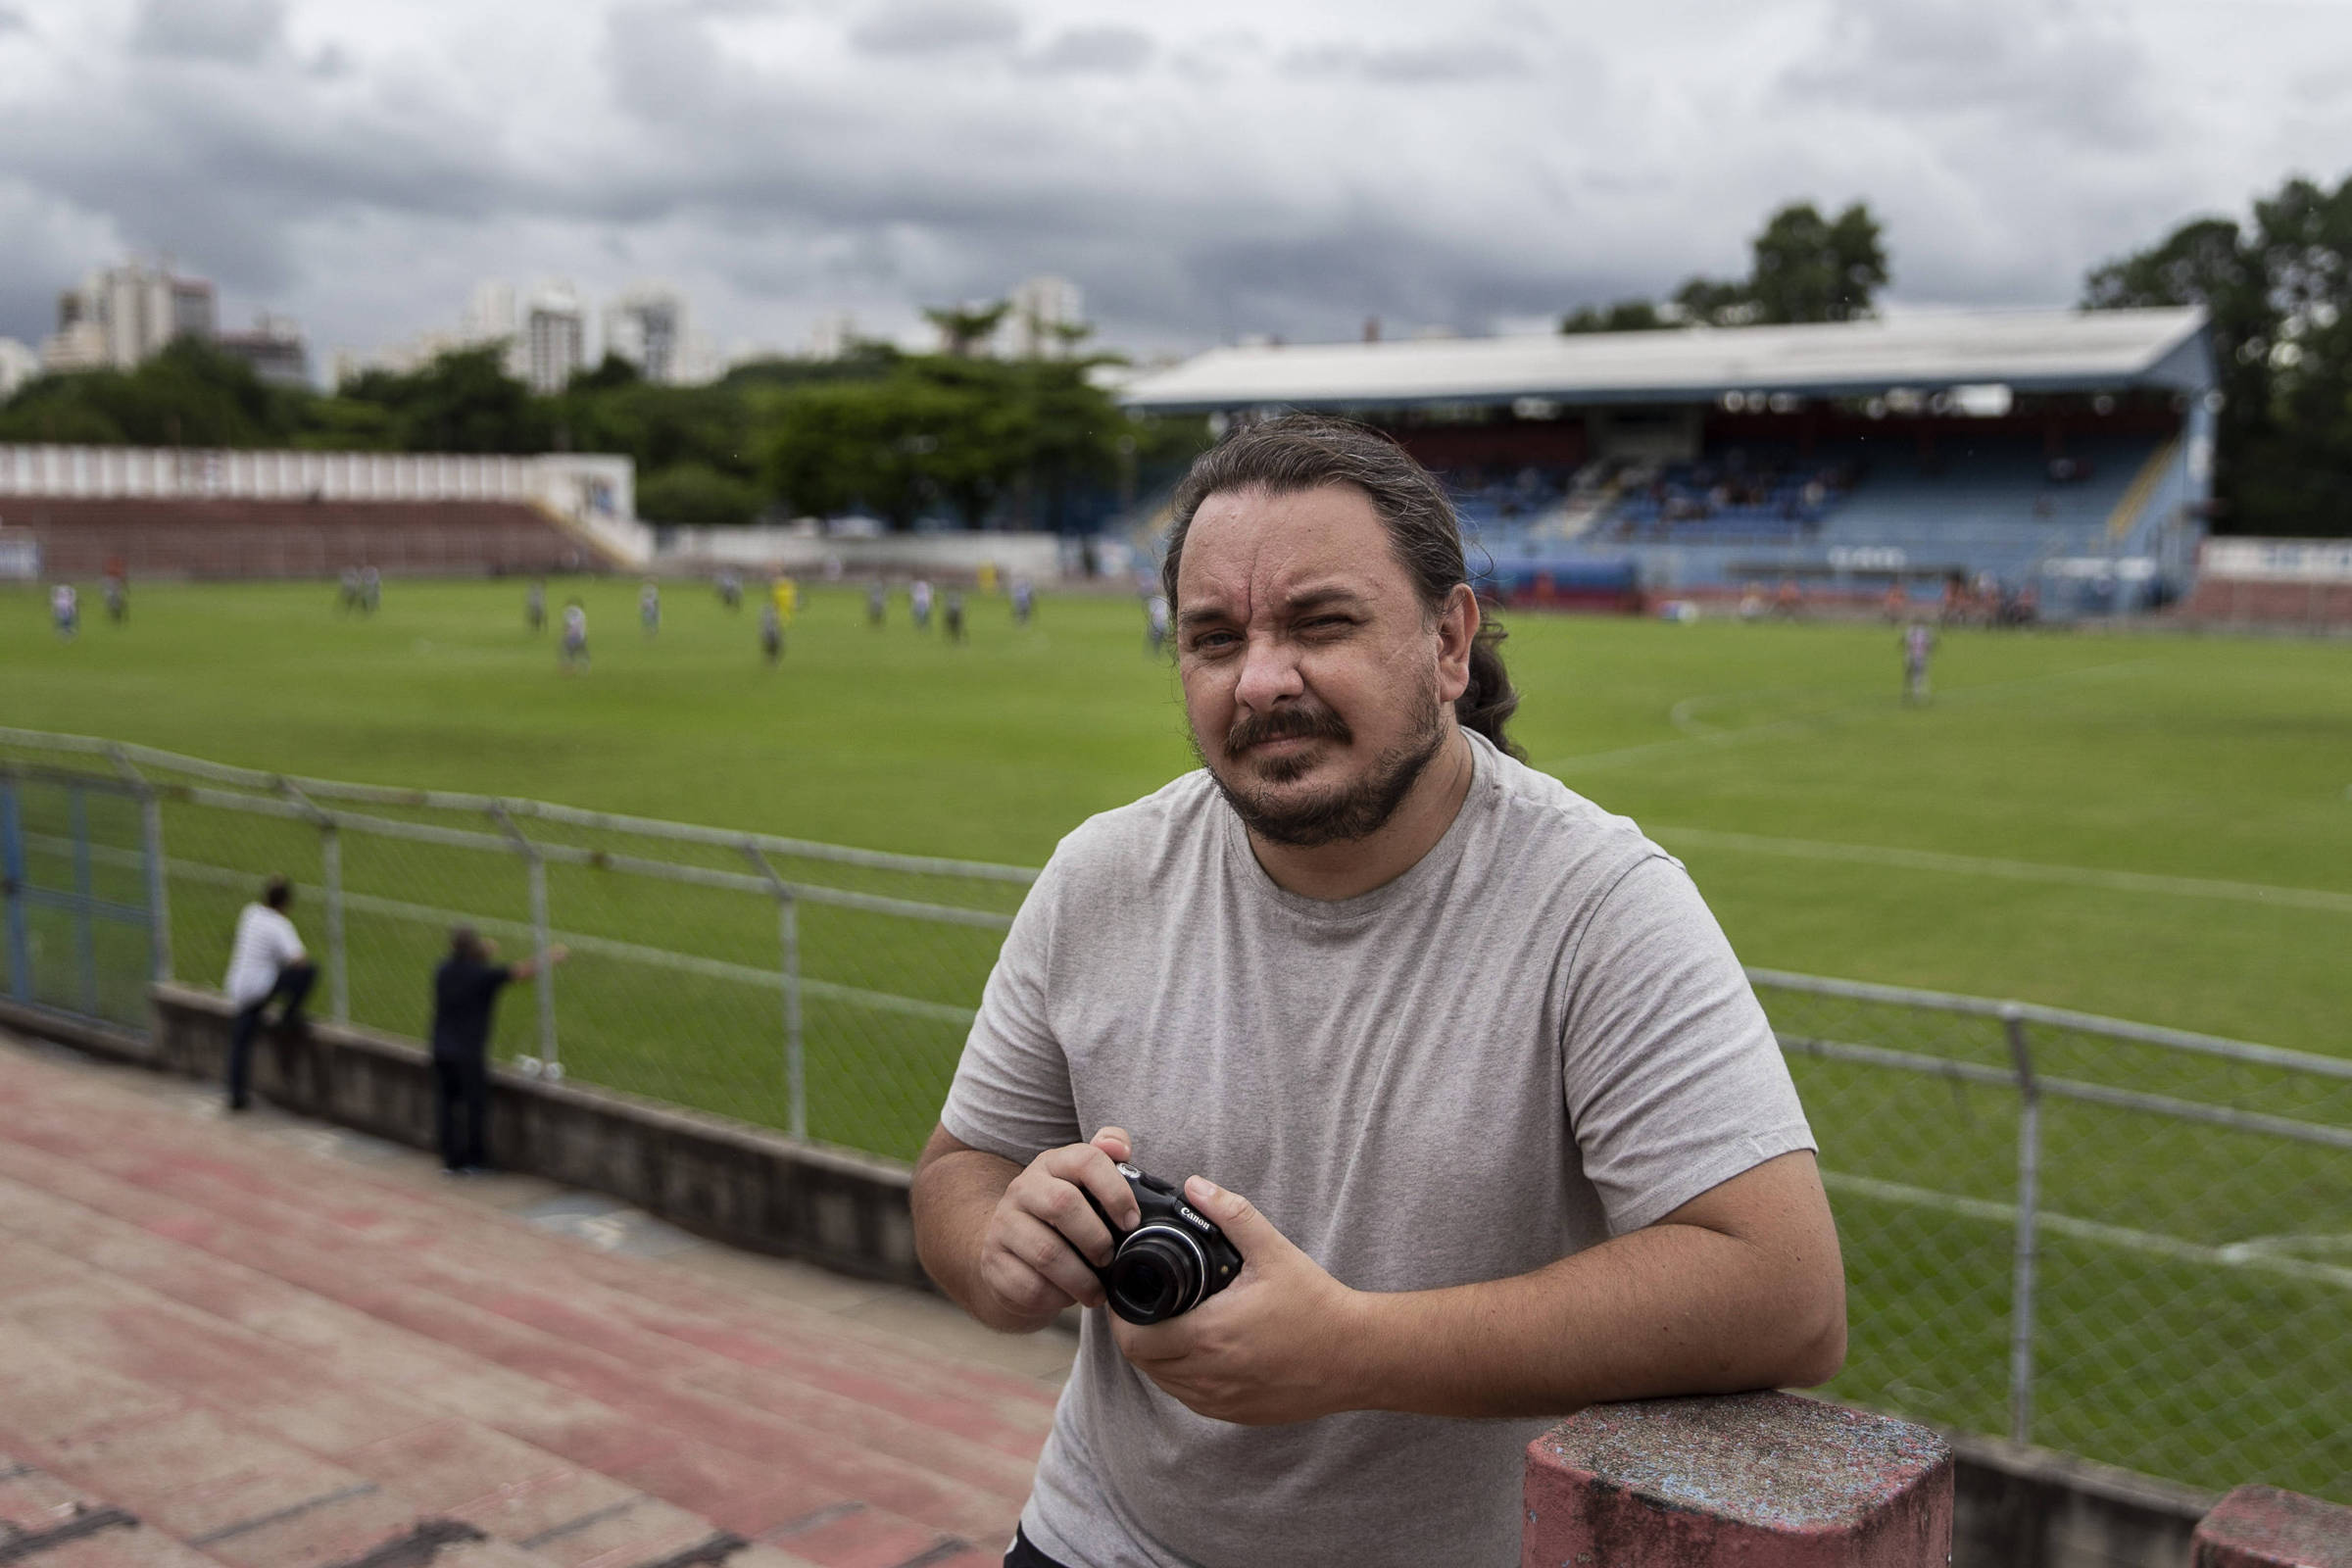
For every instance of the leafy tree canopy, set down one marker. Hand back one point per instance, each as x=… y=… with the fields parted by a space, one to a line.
x=2277 y=294
x=1804 y=268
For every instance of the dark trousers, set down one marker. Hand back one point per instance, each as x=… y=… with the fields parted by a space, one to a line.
x=461 y=1109
x=1023 y=1554
x=294 y=984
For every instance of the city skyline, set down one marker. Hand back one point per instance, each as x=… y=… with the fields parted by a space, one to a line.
x=1224 y=172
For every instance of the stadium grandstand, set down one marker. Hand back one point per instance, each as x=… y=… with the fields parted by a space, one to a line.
x=2056 y=462
x=177 y=512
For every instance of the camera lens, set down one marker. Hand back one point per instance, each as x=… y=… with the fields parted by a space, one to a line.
x=1157 y=1274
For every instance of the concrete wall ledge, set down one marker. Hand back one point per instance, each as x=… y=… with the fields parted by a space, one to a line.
x=2025 y=1507
x=727 y=1180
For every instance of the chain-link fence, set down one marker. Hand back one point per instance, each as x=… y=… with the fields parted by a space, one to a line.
x=2127 y=1242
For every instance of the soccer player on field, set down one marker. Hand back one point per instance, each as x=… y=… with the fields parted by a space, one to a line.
x=65 y=609
x=648 y=606
x=534 y=607
x=920 y=598
x=1918 y=644
x=573 y=652
x=772 y=631
x=1024 y=600
x=877 y=605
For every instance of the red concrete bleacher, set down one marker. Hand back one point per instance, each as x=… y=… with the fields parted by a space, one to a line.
x=260 y=1358
x=239 y=539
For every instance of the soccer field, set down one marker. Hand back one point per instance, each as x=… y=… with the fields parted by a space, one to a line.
x=2156 y=828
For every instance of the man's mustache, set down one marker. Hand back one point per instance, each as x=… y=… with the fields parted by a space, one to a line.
x=1285 y=724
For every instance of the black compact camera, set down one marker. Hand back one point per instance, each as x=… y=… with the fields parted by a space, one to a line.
x=1174 y=1259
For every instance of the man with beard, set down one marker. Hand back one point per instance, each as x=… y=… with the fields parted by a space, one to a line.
x=1513 y=1132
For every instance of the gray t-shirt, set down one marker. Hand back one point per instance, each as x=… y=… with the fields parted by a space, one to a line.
x=1533 y=1041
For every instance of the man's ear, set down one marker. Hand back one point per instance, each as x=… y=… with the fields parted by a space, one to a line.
x=1457 y=630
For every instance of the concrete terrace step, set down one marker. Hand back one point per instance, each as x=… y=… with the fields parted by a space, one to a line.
x=46 y=1522
x=398 y=1351
x=346 y=1462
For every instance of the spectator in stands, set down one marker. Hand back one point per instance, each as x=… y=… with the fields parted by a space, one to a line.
x=1514 y=1134
x=466 y=989
x=266 y=964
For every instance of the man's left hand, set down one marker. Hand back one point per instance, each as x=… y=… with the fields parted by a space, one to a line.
x=1280 y=1343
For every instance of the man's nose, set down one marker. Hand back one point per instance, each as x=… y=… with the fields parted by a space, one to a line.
x=1269 y=674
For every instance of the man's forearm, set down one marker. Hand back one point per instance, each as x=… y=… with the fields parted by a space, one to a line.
x=954 y=1194
x=1667 y=1309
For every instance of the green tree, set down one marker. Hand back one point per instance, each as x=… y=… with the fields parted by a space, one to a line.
x=964 y=328
x=1802 y=268
x=191 y=394
x=463 y=401
x=696 y=495
x=2278 y=297
x=1626 y=316
x=1811 y=269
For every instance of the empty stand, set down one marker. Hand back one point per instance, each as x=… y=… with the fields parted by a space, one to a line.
x=246 y=539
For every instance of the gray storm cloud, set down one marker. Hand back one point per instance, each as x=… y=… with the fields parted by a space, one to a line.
x=1221 y=171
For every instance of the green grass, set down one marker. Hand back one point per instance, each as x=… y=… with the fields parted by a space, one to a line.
x=2215 y=776
x=2216 y=759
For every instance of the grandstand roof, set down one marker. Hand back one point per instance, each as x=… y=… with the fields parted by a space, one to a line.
x=2041 y=350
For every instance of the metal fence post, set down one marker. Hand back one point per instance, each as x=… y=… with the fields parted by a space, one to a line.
x=550 y=1062
x=330 y=871
x=2025 y=1254
x=11 y=892
x=338 y=965
x=158 y=880
x=159 y=886
x=788 y=934
x=85 y=936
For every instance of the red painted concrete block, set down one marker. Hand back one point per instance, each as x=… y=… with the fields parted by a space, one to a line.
x=2263 y=1527
x=1748 y=1481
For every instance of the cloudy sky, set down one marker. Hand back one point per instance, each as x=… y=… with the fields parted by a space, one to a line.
x=1202 y=170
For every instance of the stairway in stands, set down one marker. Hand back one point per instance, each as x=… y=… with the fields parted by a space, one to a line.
x=216 y=1350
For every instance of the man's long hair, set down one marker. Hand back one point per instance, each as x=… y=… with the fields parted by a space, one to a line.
x=1306 y=452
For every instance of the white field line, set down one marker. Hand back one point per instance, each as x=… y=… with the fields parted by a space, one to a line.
x=1808 y=723
x=2241 y=1255
x=2084 y=876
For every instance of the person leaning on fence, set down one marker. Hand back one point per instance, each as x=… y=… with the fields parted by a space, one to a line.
x=466 y=989
x=266 y=964
x=1514 y=1134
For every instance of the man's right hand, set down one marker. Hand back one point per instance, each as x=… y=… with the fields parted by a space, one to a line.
x=1030 y=1265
